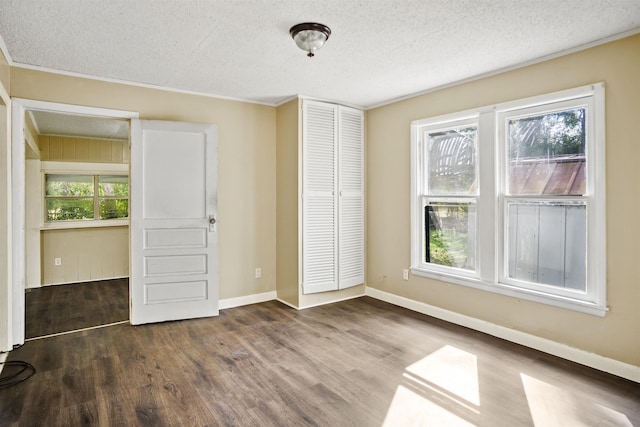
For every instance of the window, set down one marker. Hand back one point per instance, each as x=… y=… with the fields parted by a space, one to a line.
x=510 y=199
x=113 y=196
x=73 y=197
x=449 y=194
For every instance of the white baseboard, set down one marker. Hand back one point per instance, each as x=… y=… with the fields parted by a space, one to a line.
x=347 y=298
x=320 y=303
x=270 y=296
x=612 y=366
x=246 y=300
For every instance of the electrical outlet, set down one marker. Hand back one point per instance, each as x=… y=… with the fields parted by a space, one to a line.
x=258 y=273
x=57 y=261
x=405 y=274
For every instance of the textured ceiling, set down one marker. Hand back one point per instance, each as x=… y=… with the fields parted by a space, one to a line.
x=57 y=124
x=379 y=50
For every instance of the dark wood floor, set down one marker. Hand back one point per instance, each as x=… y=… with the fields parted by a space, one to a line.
x=355 y=363
x=61 y=308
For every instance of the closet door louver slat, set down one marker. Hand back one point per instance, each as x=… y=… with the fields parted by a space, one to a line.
x=319 y=210
x=351 y=198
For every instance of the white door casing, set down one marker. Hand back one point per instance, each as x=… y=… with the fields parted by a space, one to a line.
x=16 y=328
x=173 y=208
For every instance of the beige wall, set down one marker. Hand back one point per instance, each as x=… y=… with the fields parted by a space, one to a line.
x=286 y=202
x=66 y=149
x=5 y=73
x=246 y=159
x=615 y=336
x=86 y=253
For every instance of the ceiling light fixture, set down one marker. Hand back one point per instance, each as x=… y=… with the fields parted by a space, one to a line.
x=310 y=36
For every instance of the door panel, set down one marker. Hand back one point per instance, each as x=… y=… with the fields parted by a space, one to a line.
x=173 y=244
x=319 y=207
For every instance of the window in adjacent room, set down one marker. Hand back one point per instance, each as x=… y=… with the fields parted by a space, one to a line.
x=73 y=197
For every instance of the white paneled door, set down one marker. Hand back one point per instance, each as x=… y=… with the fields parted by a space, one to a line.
x=173 y=208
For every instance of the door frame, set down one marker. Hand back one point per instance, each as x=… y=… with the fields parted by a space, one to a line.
x=16 y=287
x=5 y=222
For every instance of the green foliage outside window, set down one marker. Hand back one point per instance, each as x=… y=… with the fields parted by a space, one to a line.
x=114 y=208
x=69 y=209
x=73 y=197
x=113 y=185
x=549 y=135
x=451 y=234
x=448 y=248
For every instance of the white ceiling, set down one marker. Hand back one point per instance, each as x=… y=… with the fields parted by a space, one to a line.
x=58 y=124
x=379 y=50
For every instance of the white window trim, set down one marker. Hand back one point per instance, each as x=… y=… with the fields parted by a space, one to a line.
x=48 y=167
x=490 y=254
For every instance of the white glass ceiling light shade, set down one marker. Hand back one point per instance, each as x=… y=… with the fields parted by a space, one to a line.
x=310 y=36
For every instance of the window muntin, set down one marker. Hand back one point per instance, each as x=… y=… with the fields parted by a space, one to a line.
x=541 y=239
x=75 y=197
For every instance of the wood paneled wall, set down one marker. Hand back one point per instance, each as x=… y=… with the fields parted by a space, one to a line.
x=86 y=253
x=66 y=149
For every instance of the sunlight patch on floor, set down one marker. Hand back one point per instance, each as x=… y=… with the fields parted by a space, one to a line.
x=439 y=390
x=409 y=409
x=554 y=406
x=451 y=369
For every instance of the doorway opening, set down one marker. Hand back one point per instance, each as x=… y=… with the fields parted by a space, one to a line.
x=76 y=222
x=70 y=217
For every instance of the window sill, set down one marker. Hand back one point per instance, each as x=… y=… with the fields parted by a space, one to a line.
x=66 y=225
x=525 y=294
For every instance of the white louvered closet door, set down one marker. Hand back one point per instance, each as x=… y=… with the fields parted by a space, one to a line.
x=319 y=207
x=351 y=198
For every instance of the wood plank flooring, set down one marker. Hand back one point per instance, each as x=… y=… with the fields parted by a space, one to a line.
x=62 y=308
x=360 y=362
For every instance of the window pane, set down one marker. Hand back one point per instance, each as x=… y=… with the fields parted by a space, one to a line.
x=69 y=185
x=451 y=160
x=113 y=185
x=547 y=243
x=547 y=153
x=450 y=230
x=114 y=208
x=69 y=209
